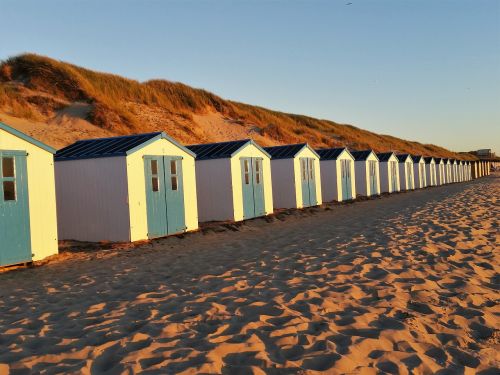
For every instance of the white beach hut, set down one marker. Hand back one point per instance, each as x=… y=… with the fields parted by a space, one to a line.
x=462 y=170
x=440 y=171
x=406 y=180
x=430 y=171
x=454 y=170
x=337 y=174
x=389 y=172
x=28 y=223
x=419 y=171
x=296 y=176
x=367 y=173
x=233 y=180
x=125 y=188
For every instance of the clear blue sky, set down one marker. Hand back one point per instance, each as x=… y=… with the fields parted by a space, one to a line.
x=426 y=70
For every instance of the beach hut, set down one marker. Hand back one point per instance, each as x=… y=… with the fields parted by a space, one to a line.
x=467 y=171
x=419 y=171
x=367 y=173
x=447 y=170
x=389 y=172
x=406 y=180
x=454 y=170
x=126 y=188
x=28 y=223
x=440 y=171
x=430 y=170
x=233 y=180
x=337 y=174
x=296 y=177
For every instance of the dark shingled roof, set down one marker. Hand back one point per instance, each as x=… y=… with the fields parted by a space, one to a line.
x=103 y=147
x=361 y=155
x=428 y=159
x=437 y=160
x=217 y=150
x=416 y=158
x=384 y=156
x=284 y=152
x=402 y=157
x=330 y=153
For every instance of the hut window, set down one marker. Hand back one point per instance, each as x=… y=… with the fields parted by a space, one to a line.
x=304 y=169
x=155 y=183
x=8 y=167
x=247 y=175
x=173 y=167
x=311 y=169
x=174 y=182
x=154 y=166
x=257 y=171
x=9 y=191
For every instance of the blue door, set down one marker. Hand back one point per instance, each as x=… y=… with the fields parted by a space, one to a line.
x=372 y=168
x=252 y=187
x=164 y=195
x=345 y=170
x=308 y=178
x=15 y=234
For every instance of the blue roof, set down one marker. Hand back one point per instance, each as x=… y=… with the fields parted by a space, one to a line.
x=26 y=138
x=384 y=156
x=428 y=159
x=362 y=155
x=287 y=151
x=331 y=153
x=221 y=150
x=416 y=158
x=113 y=146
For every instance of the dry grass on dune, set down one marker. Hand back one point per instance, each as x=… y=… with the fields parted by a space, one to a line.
x=31 y=85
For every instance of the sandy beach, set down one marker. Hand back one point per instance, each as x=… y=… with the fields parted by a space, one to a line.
x=402 y=284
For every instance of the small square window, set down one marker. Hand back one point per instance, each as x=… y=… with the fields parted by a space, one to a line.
x=154 y=166
x=173 y=167
x=8 y=167
x=247 y=179
x=155 y=184
x=174 y=182
x=9 y=191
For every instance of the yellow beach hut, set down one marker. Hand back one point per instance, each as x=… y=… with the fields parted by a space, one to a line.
x=338 y=179
x=296 y=176
x=233 y=180
x=125 y=188
x=28 y=224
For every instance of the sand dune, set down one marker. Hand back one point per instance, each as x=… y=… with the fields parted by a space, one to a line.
x=403 y=284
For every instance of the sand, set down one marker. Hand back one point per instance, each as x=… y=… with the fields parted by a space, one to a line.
x=402 y=284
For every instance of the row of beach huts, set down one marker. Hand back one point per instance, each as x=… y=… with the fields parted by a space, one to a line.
x=145 y=186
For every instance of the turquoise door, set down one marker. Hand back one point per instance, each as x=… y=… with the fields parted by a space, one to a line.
x=252 y=187
x=345 y=170
x=308 y=181
x=164 y=195
x=372 y=168
x=15 y=235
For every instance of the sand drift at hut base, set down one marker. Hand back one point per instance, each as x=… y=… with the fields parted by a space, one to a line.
x=403 y=284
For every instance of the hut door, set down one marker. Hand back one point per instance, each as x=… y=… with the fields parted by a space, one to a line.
x=409 y=177
x=345 y=168
x=372 y=167
x=394 y=176
x=252 y=187
x=164 y=195
x=15 y=235
x=308 y=179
